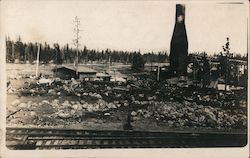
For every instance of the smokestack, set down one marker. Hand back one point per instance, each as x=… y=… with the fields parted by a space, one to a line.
x=179 y=44
x=180 y=13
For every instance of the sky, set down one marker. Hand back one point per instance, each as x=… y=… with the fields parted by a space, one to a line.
x=127 y=25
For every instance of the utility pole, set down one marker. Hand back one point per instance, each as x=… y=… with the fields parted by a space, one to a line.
x=226 y=49
x=109 y=65
x=76 y=42
x=158 y=72
x=13 y=51
x=37 y=59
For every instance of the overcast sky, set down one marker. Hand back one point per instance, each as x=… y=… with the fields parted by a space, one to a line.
x=127 y=25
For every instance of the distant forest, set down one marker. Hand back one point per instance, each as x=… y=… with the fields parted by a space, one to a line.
x=64 y=54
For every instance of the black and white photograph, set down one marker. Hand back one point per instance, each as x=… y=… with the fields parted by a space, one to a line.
x=140 y=75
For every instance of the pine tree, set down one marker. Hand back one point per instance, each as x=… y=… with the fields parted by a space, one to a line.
x=137 y=62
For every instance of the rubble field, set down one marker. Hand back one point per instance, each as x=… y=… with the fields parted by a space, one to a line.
x=165 y=105
x=96 y=104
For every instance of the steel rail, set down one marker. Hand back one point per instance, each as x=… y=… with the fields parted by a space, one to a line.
x=40 y=138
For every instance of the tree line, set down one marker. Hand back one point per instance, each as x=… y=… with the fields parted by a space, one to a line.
x=27 y=52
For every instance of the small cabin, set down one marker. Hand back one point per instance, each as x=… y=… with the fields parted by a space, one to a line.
x=68 y=72
x=102 y=76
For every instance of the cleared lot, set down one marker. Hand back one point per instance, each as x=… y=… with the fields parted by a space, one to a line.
x=165 y=105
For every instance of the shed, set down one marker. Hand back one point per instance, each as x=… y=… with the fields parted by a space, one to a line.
x=103 y=76
x=68 y=72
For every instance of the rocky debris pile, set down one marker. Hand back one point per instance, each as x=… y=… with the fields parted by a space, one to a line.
x=144 y=90
x=171 y=114
x=76 y=109
x=49 y=112
x=188 y=114
x=177 y=104
x=18 y=111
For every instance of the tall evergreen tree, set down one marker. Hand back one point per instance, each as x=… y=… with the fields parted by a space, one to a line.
x=137 y=62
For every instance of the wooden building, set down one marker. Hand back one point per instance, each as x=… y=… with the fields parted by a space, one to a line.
x=102 y=76
x=68 y=72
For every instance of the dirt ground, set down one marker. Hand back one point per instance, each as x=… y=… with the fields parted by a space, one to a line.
x=39 y=116
x=59 y=110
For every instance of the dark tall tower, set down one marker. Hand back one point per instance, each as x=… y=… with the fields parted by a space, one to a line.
x=179 y=44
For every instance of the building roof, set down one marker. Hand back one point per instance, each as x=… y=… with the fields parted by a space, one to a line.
x=240 y=62
x=81 y=69
x=101 y=74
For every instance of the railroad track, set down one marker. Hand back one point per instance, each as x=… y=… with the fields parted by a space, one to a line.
x=45 y=138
